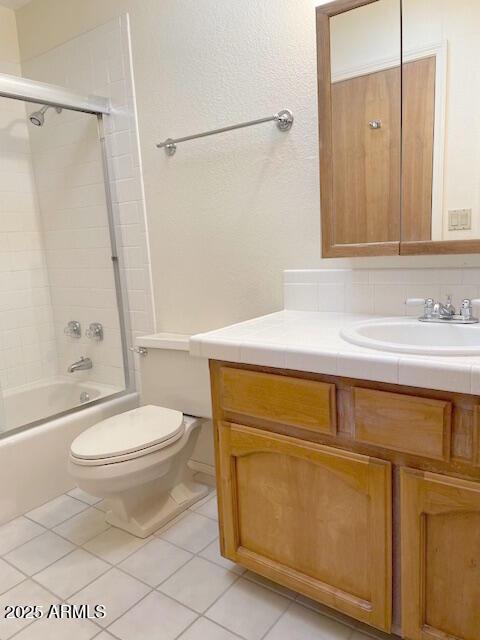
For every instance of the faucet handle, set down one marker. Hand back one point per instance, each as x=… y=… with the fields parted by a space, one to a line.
x=73 y=329
x=466 y=308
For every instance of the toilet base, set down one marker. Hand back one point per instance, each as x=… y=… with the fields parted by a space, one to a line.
x=142 y=522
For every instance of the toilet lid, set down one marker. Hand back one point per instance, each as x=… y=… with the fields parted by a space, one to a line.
x=129 y=432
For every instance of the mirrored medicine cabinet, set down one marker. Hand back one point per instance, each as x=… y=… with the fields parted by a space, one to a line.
x=399 y=126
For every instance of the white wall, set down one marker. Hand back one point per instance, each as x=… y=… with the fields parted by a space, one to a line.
x=227 y=214
x=27 y=347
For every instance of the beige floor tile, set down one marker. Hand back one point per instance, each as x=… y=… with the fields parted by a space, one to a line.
x=209 y=509
x=59 y=629
x=103 y=505
x=114 y=545
x=16 y=532
x=204 y=629
x=83 y=527
x=198 y=584
x=40 y=552
x=25 y=593
x=9 y=577
x=212 y=553
x=156 y=616
x=300 y=623
x=248 y=609
x=56 y=511
x=79 y=494
x=116 y=591
x=155 y=562
x=193 y=532
x=72 y=573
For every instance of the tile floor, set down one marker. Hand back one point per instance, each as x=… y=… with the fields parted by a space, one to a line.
x=172 y=585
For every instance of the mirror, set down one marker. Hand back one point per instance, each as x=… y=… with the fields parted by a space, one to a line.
x=361 y=127
x=399 y=126
x=441 y=136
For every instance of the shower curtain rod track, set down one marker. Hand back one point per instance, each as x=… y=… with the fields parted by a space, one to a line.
x=283 y=119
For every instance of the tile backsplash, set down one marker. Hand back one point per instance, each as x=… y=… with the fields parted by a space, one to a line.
x=377 y=291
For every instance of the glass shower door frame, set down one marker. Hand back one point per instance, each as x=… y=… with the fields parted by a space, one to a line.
x=18 y=88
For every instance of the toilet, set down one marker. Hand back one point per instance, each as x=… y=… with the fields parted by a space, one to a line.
x=138 y=461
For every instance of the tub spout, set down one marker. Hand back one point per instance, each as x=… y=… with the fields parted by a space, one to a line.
x=81 y=365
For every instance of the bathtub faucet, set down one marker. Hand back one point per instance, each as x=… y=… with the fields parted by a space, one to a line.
x=81 y=365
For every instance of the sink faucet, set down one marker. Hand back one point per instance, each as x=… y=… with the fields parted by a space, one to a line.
x=81 y=365
x=440 y=312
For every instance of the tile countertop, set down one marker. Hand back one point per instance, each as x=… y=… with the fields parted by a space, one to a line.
x=310 y=341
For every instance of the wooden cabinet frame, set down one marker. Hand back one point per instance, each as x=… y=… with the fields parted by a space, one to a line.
x=329 y=248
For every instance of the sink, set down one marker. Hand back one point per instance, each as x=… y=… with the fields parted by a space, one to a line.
x=408 y=335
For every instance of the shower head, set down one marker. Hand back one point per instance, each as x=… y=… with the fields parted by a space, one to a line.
x=38 y=117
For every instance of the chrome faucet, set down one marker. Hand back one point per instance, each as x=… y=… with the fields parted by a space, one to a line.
x=81 y=365
x=440 y=312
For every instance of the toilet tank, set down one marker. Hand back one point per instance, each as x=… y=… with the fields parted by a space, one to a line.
x=171 y=377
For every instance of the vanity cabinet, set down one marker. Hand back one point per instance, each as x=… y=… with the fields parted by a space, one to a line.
x=315 y=472
x=315 y=518
x=440 y=556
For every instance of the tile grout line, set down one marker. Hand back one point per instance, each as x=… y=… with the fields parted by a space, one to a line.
x=116 y=566
x=277 y=620
x=156 y=589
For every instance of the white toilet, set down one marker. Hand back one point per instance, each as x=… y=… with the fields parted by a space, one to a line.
x=138 y=461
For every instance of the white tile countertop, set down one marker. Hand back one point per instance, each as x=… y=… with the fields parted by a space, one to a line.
x=310 y=341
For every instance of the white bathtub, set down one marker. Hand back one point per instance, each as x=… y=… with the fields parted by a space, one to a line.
x=41 y=400
x=33 y=462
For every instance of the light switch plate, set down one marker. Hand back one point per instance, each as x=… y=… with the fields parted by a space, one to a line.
x=459 y=219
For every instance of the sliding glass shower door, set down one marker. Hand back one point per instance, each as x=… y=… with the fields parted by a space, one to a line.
x=62 y=344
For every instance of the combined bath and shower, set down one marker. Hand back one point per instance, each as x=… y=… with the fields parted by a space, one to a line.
x=38 y=117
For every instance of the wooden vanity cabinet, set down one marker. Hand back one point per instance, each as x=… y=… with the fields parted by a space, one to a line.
x=305 y=468
x=315 y=518
x=440 y=519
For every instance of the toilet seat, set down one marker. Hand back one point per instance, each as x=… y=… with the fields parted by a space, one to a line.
x=128 y=435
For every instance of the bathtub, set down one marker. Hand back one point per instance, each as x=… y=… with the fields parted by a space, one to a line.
x=33 y=462
x=34 y=402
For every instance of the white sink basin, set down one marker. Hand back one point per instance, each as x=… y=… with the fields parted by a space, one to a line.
x=411 y=336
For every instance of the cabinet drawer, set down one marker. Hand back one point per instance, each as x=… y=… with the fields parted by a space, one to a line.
x=410 y=424
x=307 y=404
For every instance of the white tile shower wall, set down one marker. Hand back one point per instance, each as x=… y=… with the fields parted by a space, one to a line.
x=99 y=61
x=70 y=187
x=378 y=291
x=27 y=342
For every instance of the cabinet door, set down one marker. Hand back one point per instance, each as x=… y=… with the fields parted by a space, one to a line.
x=313 y=518
x=440 y=557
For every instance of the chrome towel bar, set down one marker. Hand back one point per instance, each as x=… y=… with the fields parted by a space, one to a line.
x=283 y=119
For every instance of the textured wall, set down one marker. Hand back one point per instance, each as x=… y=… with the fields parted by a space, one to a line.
x=227 y=214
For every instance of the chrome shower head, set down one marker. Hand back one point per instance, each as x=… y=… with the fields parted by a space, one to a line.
x=38 y=117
